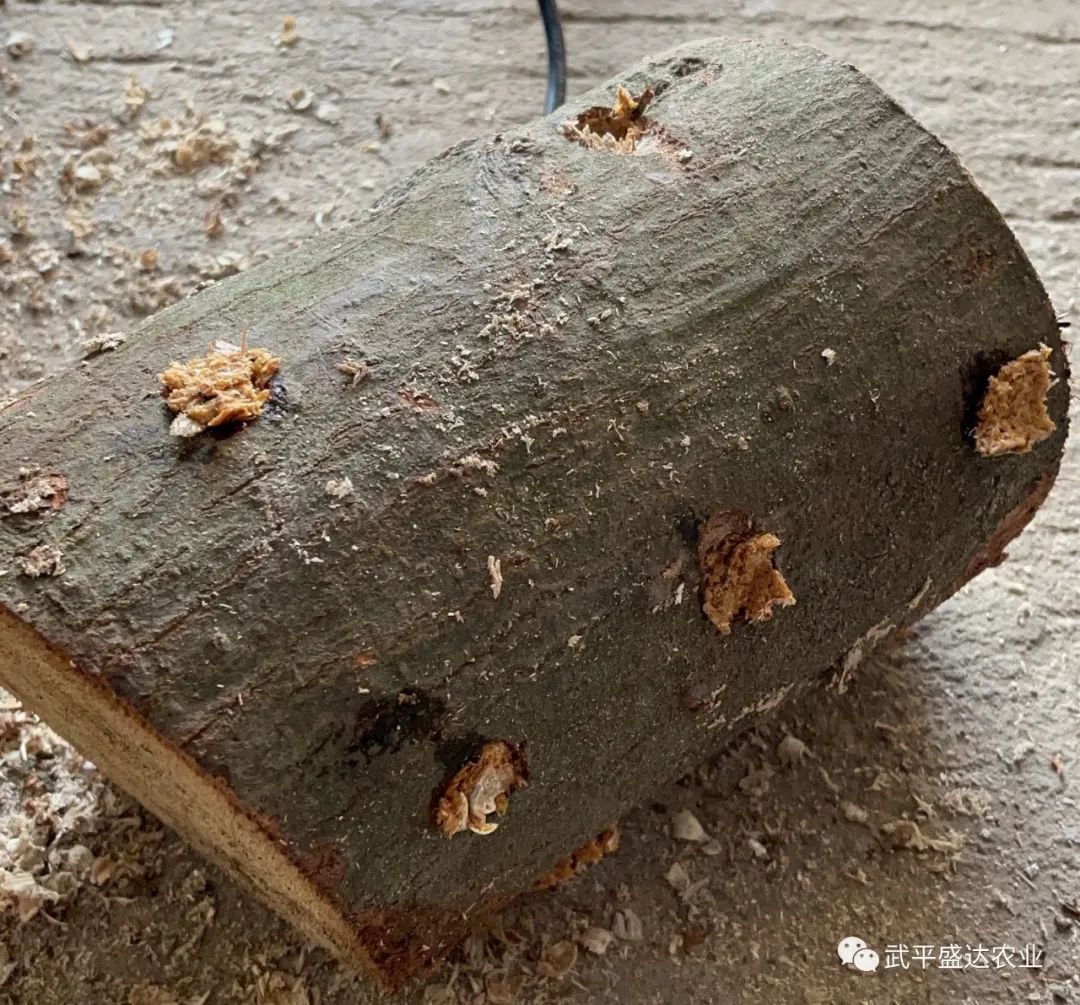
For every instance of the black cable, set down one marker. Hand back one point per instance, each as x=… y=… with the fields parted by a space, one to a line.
x=556 y=48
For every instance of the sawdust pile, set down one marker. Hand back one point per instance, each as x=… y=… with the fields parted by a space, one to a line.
x=55 y=808
x=481 y=788
x=737 y=568
x=1012 y=415
x=229 y=384
x=588 y=854
x=617 y=128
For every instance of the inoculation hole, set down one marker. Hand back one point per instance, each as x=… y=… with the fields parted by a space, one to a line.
x=617 y=128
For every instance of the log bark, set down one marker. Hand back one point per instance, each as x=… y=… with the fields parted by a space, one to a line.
x=783 y=304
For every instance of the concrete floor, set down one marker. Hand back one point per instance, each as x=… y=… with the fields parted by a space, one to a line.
x=971 y=729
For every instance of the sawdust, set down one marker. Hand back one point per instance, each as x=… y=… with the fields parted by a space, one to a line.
x=480 y=788
x=53 y=807
x=135 y=94
x=339 y=488
x=35 y=492
x=356 y=370
x=289 y=35
x=617 y=128
x=906 y=835
x=685 y=826
x=44 y=560
x=1012 y=416
x=494 y=566
x=102 y=343
x=421 y=401
x=207 y=143
x=738 y=572
x=229 y=384
x=588 y=854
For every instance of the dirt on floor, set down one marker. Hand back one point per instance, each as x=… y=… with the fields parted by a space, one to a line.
x=929 y=809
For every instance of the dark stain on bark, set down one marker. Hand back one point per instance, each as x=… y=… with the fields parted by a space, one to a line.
x=384 y=727
x=325 y=864
x=974 y=381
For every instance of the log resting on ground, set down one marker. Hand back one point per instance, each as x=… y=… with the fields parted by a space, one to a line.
x=545 y=367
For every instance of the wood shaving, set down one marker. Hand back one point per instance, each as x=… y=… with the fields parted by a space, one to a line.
x=854 y=813
x=105 y=342
x=207 y=144
x=495 y=572
x=229 y=384
x=503 y=990
x=737 y=567
x=617 y=128
x=627 y=925
x=289 y=35
x=151 y=994
x=482 y=788
x=213 y=225
x=790 y=751
x=686 y=827
x=135 y=94
x=906 y=835
x=474 y=462
x=557 y=959
x=19 y=44
x=356 y=370
x=1012 y=416
x=44 y=560
x=35 y=492
x=420 y=400
x=339 y=488
x=596 y=940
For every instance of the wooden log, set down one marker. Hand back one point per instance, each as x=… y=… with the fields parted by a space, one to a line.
x=553 y=434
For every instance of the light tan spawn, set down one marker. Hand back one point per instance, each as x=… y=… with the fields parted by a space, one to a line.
x=737 y=567
x=482 y=788
x=1013 y=416
x=229 y=384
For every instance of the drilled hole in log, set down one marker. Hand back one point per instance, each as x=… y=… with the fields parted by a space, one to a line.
x=617 y=128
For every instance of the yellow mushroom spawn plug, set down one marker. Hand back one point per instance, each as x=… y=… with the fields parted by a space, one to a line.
x=617 y=128
x=1012 y=415
x=482 y=787
x=738 y=572
x=229 y=384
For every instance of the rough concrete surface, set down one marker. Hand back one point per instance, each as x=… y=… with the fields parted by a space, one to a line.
x=930 y=802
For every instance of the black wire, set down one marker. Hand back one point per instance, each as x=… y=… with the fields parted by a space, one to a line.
x=556 y=47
